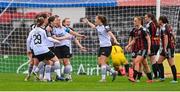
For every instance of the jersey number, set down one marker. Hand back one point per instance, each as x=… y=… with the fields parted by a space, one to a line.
x=37 y=39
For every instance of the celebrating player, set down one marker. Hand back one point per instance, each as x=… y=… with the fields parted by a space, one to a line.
x=168 y=45
x=37 y=37
x=34 y=62
x=66 y=23
x=105 y=35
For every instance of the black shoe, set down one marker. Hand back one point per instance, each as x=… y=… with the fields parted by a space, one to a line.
x=114 y=75
x=59 y=78
x=36 y=76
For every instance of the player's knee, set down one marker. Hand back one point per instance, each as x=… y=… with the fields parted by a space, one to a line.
x=56 y=65
x=171 y=62
x=101 y=62
x=66 y=62
x=49 y=62
x=116 y=67
x=159 y=61
x=41 y=65
x=31 y=62
x=35 y=61
x=55 y=59
x=137 y=64
x=146 y=66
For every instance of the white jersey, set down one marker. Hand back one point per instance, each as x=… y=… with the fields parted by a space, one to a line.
x=104 y=38
x=72 y=38
x=48 y=42
x=29 y=46
x=38 y=38
x=60 y=32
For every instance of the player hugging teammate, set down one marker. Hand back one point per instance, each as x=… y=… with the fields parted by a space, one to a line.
x=49 y=42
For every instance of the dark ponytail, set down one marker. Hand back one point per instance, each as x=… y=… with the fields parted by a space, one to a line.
x=51 y=19
x=164 y=19
x=153 y=18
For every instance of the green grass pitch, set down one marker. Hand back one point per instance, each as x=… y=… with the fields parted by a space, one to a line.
x=15 y=82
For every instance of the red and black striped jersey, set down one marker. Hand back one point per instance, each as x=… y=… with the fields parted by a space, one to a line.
x=140 y=38
x=132 y=35
x=153 y=32
x=167 y=30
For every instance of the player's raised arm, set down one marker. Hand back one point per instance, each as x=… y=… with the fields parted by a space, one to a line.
x=49 y=34
x=76 y=34
x=66 y=23
x=67 y=36
x=85 y=20
x=53 y=40
x=50 y=38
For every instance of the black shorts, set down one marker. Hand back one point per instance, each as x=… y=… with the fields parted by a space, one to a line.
x=169 y=54
x=46 y=56
x=142 y=53
x=134 y=54
x=62 y=52
x=52 y=49
x=154 y=50
x=106 y=51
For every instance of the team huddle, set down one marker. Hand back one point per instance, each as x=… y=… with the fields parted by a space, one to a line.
x=50 y=40
x=49 y=45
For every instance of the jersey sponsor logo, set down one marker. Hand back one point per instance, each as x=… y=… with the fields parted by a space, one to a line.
x=133 y=54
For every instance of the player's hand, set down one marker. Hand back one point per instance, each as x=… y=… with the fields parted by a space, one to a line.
x=116 y=42
x=83 y=49
x=85 y=20
x=83 y=37
x=57 y=41
x=130 y=49
x=127 y=48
